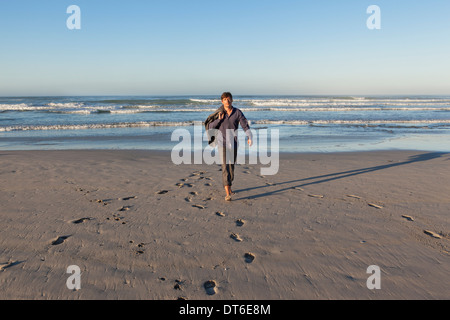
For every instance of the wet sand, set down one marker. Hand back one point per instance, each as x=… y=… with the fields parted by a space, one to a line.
x=140 y=227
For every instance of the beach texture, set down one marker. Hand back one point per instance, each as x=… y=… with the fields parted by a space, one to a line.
x=140 y=227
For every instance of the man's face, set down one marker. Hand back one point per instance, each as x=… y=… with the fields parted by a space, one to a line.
x=227 y=102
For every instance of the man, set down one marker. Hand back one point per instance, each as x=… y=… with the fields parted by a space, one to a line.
x=227 y=121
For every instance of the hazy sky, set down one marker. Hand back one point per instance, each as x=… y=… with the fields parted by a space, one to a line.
x=178 y=47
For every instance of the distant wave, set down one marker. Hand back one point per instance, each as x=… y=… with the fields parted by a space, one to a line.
x=363 y=123
x=79 y=108
x=156 y=101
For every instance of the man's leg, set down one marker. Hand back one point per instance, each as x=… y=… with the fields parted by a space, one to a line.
x=228 y=161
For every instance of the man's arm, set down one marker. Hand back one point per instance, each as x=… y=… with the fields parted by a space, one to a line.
x=216 y=123
x=244 y=124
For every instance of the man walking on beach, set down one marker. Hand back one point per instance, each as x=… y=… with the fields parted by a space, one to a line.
x=227 y=120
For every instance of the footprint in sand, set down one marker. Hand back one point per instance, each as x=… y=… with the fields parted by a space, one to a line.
x=315 y=196
x=162 y=192
x=8 y=264
x=235 y=237
x=210 y=287
x=220 y=214
x=409 y=218
x=249 y=257
x=181 y=185
x=178 y=284
x=240 y=222
x=432 y=234
x=59 y=240
x=81 y=220
x=117 y=217
x=125 y=208
x=128 y=198
x=140 y=249
x=197 y=173
x=198 y=206
x=375 y=205
x=100 y=201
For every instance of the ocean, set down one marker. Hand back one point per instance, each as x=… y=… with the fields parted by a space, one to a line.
x=304 y=123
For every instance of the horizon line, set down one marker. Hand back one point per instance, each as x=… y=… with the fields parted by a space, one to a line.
x=235 y=95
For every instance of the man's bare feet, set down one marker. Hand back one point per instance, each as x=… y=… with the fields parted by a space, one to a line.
x=229 y=193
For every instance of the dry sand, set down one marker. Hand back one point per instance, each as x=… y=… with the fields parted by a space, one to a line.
x=140 y=227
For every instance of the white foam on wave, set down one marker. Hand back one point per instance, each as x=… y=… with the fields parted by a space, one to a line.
x=20 y=107
x=349 y=122
x=191 y=123
x=94 y=110
x=361 y=103
x=99 y=126
x=282 y=104
x=66 y=105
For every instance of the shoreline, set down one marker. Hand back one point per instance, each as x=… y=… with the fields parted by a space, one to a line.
x=140 y=227
x=280 y=152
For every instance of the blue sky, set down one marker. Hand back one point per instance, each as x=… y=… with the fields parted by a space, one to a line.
x=181 y=47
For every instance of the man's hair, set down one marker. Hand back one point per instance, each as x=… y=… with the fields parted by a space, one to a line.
x=226 y=95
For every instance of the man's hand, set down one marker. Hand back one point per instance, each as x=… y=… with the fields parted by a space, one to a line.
x=221 y=115
x=249 y=141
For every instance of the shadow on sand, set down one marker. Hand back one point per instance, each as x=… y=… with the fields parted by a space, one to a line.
x=338 y=175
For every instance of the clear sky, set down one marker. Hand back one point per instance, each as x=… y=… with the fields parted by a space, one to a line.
x=182 y=47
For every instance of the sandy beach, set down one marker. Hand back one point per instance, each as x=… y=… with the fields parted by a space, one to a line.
x=140 y=227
